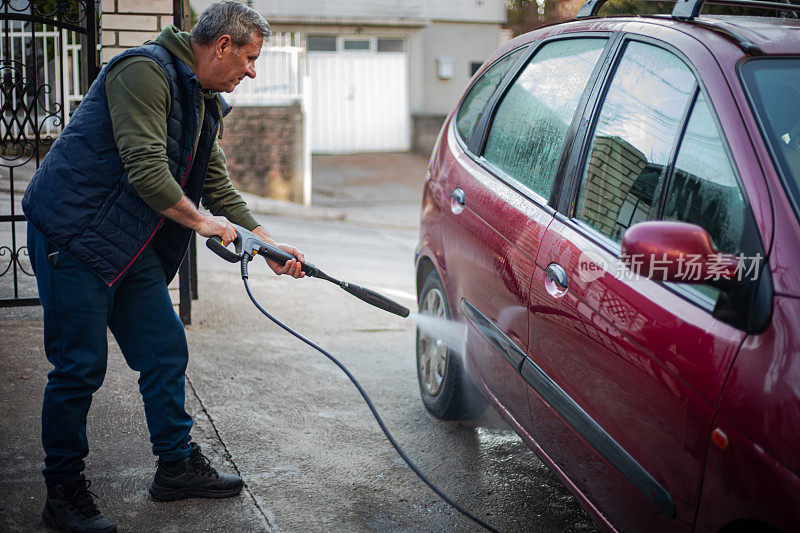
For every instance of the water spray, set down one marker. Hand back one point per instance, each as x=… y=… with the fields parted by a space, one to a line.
x=247 y=246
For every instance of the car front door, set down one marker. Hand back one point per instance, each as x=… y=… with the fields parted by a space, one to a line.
x=625 y=372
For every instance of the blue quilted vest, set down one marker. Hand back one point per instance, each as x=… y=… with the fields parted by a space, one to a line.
x=80 y=197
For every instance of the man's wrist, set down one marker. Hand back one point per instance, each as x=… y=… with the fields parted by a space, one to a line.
x=186 y=214
x=262 y=234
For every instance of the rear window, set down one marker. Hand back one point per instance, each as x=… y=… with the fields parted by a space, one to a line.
x=529 y=128
x=773 y=85
x=480 y=93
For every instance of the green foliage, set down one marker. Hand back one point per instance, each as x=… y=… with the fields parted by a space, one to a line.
x=526 y=15
x=645 y=7
x=58 y=9
x=634 y=7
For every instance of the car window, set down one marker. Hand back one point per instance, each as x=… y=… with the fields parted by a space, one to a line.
x=633 y=139
x=703 y=189
x=480 y=93
x=529 y=128
x=773 y=85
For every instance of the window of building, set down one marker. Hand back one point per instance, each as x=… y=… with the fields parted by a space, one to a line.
x=321 y=43
x=390 y=45
x=357 y=44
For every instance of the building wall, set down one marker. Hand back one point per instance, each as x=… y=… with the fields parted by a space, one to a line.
x=263 y=148
x=463 y=42
x=330 y=10
x=432 y=97
x=376 y=10
x=128 y=23
x=467 y=10
x=466 y=31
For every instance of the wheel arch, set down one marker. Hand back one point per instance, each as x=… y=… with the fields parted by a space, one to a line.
x=425 y=266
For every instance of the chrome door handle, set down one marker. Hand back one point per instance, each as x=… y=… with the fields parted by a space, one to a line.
x=557 y=274
x=458 y=196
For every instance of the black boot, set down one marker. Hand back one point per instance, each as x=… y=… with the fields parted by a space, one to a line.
x=193 y=477
x=70 y=507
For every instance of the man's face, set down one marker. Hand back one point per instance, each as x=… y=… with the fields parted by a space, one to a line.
x=235 y=63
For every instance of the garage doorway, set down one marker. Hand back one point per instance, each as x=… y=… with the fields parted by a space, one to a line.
x=359 y=94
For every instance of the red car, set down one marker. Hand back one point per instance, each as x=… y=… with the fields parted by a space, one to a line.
x=612 y=211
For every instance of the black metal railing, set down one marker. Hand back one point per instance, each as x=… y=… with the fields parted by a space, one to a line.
x=33 y=98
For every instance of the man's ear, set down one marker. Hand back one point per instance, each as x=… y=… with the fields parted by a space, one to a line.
x=224 y=42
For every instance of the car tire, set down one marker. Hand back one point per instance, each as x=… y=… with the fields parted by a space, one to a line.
x=446 y=390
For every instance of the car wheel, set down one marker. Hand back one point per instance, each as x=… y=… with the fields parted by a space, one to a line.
x=446 y=390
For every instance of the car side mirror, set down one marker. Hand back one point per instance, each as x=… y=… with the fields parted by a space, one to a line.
x=677 y=252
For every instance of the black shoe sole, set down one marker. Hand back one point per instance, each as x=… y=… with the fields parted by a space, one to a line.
x=50 y=521
x=164 y=494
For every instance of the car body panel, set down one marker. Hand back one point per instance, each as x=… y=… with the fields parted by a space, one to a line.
x=762 y=396
x=745 y=483
x=648 y=373
x=490 y=265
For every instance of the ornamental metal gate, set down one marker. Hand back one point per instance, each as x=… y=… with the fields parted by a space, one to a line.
x=48 y=58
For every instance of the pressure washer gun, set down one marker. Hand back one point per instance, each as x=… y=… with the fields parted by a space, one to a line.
x=247 y=246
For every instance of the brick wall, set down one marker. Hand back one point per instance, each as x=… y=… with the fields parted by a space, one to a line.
x=613 y=167
x=263 y=146
x=128 y=23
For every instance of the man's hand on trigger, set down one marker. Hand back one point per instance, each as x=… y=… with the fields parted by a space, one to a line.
x=215 y=225
x=185 y=213
x=293 y=266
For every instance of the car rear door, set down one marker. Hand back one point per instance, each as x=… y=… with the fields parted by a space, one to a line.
x=625 y=373
x=499 y=208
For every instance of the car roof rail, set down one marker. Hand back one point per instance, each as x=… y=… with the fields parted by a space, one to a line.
x=690 y=9
x=746 y=46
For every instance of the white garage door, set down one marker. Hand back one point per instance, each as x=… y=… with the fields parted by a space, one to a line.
x=359 y=102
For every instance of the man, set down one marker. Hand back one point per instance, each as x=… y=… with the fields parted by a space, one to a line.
x=110 y=214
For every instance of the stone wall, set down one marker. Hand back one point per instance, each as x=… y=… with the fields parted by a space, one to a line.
x=264 y=149
x=128 y=23
x=425 y=130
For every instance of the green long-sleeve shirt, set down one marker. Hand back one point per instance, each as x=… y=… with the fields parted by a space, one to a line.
x=139 y=102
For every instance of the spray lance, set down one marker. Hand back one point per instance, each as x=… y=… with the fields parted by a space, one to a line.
x=247 y=246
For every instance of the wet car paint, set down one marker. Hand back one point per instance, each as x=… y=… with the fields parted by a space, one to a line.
x=647 y=373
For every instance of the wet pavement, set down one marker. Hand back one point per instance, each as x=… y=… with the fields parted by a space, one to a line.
x=281 y=414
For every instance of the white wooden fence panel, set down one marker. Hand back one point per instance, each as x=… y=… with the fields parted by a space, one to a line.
x=279 y=79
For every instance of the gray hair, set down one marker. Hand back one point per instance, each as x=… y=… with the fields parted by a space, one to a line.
x=229 y=18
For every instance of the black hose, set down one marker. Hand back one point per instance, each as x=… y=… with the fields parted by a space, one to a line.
x=398 y=449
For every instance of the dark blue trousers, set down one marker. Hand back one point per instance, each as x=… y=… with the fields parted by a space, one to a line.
x=78 y=310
